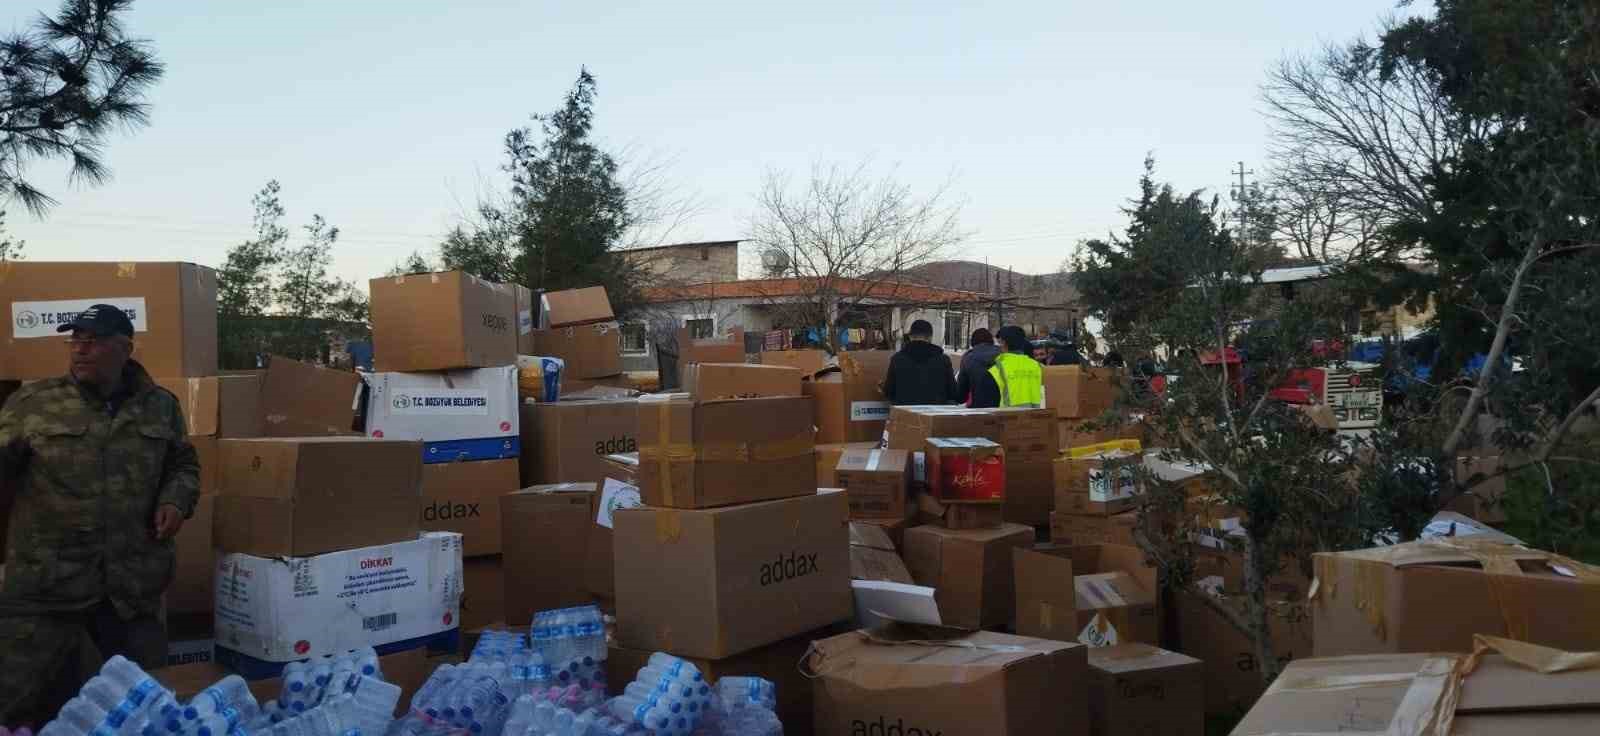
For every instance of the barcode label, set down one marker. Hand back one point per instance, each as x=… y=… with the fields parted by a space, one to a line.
x=379 y=623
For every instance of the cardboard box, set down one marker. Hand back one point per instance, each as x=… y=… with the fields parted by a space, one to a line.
x=1485 y=501
x=568 y=441
x=910 y=427
x=406 y=668
x=873 y=555
x=957 y=514
x=1099 y=479
x=969 y=570
x=173 y=307
x=965 y=469
x=809 y=362
x=615 y=493
x=483 y=595
x=1081 y=529
x=441 y=322
x=457 y=415
x=304 y=400
x=1232 y=670
x=895 y=529
x=717 y=582
x=699 y=454
x=712 y=381
x=849 y=402
x=193 y=585
x=270 y=611
x=1137 y=690
x=1433 y=595
x=308 y=496
x=545 y=529
x=1403 y=693
x=1030 y=491
x=1047 y=604
x=1076 y=391
x=1072 y=433
x=877 y=482
x=465 y=498
x=219 y=406
x=895 y=681
x=574 y=307
x=528 y=312
x=1116 y=596
x=588 y=351
x=205 y=450
x=728 y=349
x=1028 y=434
x=828 y=459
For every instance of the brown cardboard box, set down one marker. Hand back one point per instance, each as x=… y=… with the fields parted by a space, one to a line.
x=299 y=496
x=575 y=307
x=699 y=454
x=910 y=427
x=728 y=349
x=587 y=351
x=717 y=582
x=205 y=449
x=877 y=482
x=1116 y=595
x=1099 y=479
x=407 y=669
x=527 y=317
x=173 y=307
x=849 y=402
x=1081 y=529
x=483 y=595
x=1410 y=692
x=1030 y=491
x=220 y=406
x=969 y=570
x=1233 y=673
x=774 y=662
x=304 y=400
x=828 y=459
x=622 y=478
x=894 y=528
x=810 y=362
x=465 y=498
x=957 y=515
x=193 y=588
x=1076 y=391
x=539 y=525
x=1486 y=500
x=1047 y=604
x=873 y=555
x=1139 y=690
x=1432 y=596
x=712 y=381
x=442 y=321
x=198 y=400
x=567 y=441
x=982 y=683
x=1028 y=434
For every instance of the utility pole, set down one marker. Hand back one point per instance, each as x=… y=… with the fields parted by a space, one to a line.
x=1240 y=193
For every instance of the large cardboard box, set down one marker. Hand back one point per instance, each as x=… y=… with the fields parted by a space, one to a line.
x=618 y=491
x=910 y=427
x=896 y=681
x=206 y=452
x=574 y=307
x=712 y=381
x=483 y=596
x=1028 y=434
x=1076 y=391
x=1099 y=479
x=717 y=582
x=307 y=496
x=173 y=307
x=809 y=362
x=568 y=441
x=966 y=470
x=1138 y=690
x=271 y=611
x=465 y=498
x=1429 y=693
x=1030 y=491
x=303 y=400
x=894 y=528
x=828 y=460
x=193 y=586
x=969 y=570
x=219 y=406
x=873 y=555
x=588 y=351
x=699 y=454
x=849 y=402
x=457 y=415
x=545 y=535
x=877 y=481
x=1082 y=529
x=1434 y=595
x=1047 y=604
x=1117 y=597
x=1233 y=672
x=441 y=322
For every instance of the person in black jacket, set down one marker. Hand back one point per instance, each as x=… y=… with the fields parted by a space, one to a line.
x=920 y=373
x=974 y=386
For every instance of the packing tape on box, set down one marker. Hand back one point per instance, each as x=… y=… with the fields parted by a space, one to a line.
x=669 y=527
x=665 y=451
x=1047 y=615
x=127 y=270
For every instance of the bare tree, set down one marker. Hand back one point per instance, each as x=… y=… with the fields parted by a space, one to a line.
x=845 y=235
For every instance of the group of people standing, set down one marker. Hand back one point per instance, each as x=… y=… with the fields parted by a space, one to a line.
x=998 y=370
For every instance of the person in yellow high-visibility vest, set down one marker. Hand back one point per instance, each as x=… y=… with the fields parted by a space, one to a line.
x=1019 y=376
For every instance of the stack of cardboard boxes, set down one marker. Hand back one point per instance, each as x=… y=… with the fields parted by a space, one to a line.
x=1096 y=489
x=578 y=327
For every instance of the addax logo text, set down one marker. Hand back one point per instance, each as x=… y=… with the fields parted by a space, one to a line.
x=445 y=511
x=788 y=567
x=885 y=727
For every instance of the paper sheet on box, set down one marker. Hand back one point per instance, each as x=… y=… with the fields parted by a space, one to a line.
x=615 y=495
x=878 y=602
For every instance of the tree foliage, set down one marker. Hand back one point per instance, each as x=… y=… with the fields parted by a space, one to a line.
x=10 y=248
x=65 y=84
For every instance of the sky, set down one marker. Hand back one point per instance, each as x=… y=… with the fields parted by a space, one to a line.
x=387 y=118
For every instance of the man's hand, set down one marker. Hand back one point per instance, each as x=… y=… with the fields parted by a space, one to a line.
x=169 y=519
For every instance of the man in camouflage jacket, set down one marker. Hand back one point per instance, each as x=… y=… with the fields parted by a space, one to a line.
x=104 y=476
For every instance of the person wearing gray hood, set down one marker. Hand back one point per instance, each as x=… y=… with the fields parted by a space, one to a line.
x=974 y=386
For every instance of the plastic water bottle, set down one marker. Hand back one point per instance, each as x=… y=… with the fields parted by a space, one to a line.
x=374 y=702
x=748 y=690
x=229 y=699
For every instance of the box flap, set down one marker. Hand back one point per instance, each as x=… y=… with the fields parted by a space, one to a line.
x=880 y=602
x=911 y=656
x=576 y=307
x=1135 y=657
x=1109 y=590
x=1448 y=551
x=870 y=535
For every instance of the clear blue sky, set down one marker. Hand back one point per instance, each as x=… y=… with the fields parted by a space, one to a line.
x=387 y=117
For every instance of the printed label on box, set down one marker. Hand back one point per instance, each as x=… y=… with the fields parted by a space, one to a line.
x=40 y=319
x=616 y=495
x=869 y=411
x=440 y=401
x=189 y=651
x=1099 y=633
x=1101 y=490
x=525 y=321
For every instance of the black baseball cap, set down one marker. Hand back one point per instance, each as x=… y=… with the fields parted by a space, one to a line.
x=103 y=320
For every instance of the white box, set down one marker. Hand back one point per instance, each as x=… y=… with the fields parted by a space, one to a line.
x=458 y=415
x=275 y=610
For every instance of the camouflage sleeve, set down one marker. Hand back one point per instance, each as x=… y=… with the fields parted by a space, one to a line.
x=180 y=480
